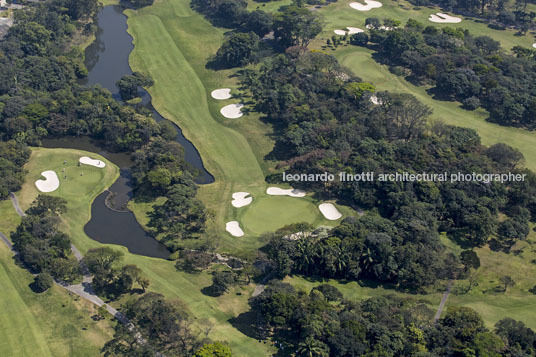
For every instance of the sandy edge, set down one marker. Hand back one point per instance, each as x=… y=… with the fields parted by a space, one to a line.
x=233 y=227
x=92 y=162
x=240 y=199
x=330 y=211
x=51 y=182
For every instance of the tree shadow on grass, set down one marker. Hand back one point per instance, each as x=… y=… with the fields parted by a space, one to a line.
x=248 y=323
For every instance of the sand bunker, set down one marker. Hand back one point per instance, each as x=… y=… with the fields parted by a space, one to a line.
x=89 y=161
x=352 y=30
x=233 y=227
x=240 y=199
x=232 y=111
x=221 y=94
x=340 y=32
x=370 y=4
x=444 y=19
x=51 y=182
x=330 y=211
x=534 y=45
x=292 y=192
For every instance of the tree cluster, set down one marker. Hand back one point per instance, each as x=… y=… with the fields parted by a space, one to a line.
x=13 y=156
x=41 y=245
x=472 y=70
x=109 y=279
x=326 y=121
x=129 y=83
x=312 y=325
x=498 y=13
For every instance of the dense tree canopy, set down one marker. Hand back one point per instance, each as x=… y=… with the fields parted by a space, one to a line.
x=381 y=326
x=472 y=70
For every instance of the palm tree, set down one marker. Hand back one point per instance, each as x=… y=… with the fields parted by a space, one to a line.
x=312 y=348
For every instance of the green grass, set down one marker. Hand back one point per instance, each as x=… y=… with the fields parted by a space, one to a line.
x=166 y=38
x=80 y=191
x=47 y=324
x=271 y=6
x=339 y=15
x=268 y=213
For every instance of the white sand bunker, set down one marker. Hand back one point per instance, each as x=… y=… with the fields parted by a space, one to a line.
x=221 y=94
x=330 y=211
x=534 y=45
x=444 y=19
x=370 y=4
x=51 y=182
x=232 y=111
x=89 y=161
x=340 y=32
x=353 y=30
x=240 y=199
x=375 y=100
x=233 y=227
x=292 y=192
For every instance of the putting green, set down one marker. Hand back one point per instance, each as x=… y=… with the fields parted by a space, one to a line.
x=338 y=15
x=268 y=213
x=80 y=191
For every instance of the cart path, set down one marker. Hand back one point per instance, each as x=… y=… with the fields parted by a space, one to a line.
x=443 y=301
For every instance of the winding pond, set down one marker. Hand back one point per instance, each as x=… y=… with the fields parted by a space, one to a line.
x=107 y=62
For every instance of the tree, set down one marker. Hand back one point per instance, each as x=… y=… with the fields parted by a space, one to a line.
x=45 y=204
x=238 y=50
x=259 y=22
x=101 y=260
x=312 y=347
x=139 y=3
x=43 y=282
x=296 y=26
x=507 y=281
x=470 y=260
x=216 y=349
x=359 y=39
x=128 y=84
x=221 y=281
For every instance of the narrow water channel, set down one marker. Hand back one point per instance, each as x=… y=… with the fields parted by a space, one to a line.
x=107 y=62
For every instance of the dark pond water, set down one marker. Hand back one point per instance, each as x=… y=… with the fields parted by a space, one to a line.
x=107 y=62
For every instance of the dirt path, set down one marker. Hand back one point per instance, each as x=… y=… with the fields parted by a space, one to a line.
x=443 y=301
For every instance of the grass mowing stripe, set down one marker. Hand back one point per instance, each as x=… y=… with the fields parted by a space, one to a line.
x=19 y=335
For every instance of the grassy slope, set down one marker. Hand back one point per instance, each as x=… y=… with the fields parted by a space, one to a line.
x=162 y=274
x=167 y=37
x=493 y=305
x=53 y=323
x=339 y=15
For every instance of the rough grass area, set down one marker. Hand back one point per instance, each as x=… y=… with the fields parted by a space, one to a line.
x=186 y=288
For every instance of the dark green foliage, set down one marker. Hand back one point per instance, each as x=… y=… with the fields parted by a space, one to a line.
x=328 y=126
x=379 y=326
x=519 y=338
x=296 y=26
x=159 y=325
x=238 y=50
x=359 y=39
x=225 y=13
x=259 y=22
x=109 y=278
x=138 y=3
x=470 y=260
x=472 y=70
x=128 y=84
x=222 y=281
x=499 y=14
x=13 y=156
x=43 y=282
x=41 y=246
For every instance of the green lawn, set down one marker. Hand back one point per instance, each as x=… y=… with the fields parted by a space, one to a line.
x=166 y=38
x=268 y=213
x=339 y=15
x=47 y=324
x=80 y=191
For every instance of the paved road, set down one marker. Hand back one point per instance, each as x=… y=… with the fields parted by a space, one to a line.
x=443 y=301
x=15 y=202
x=7 y=242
